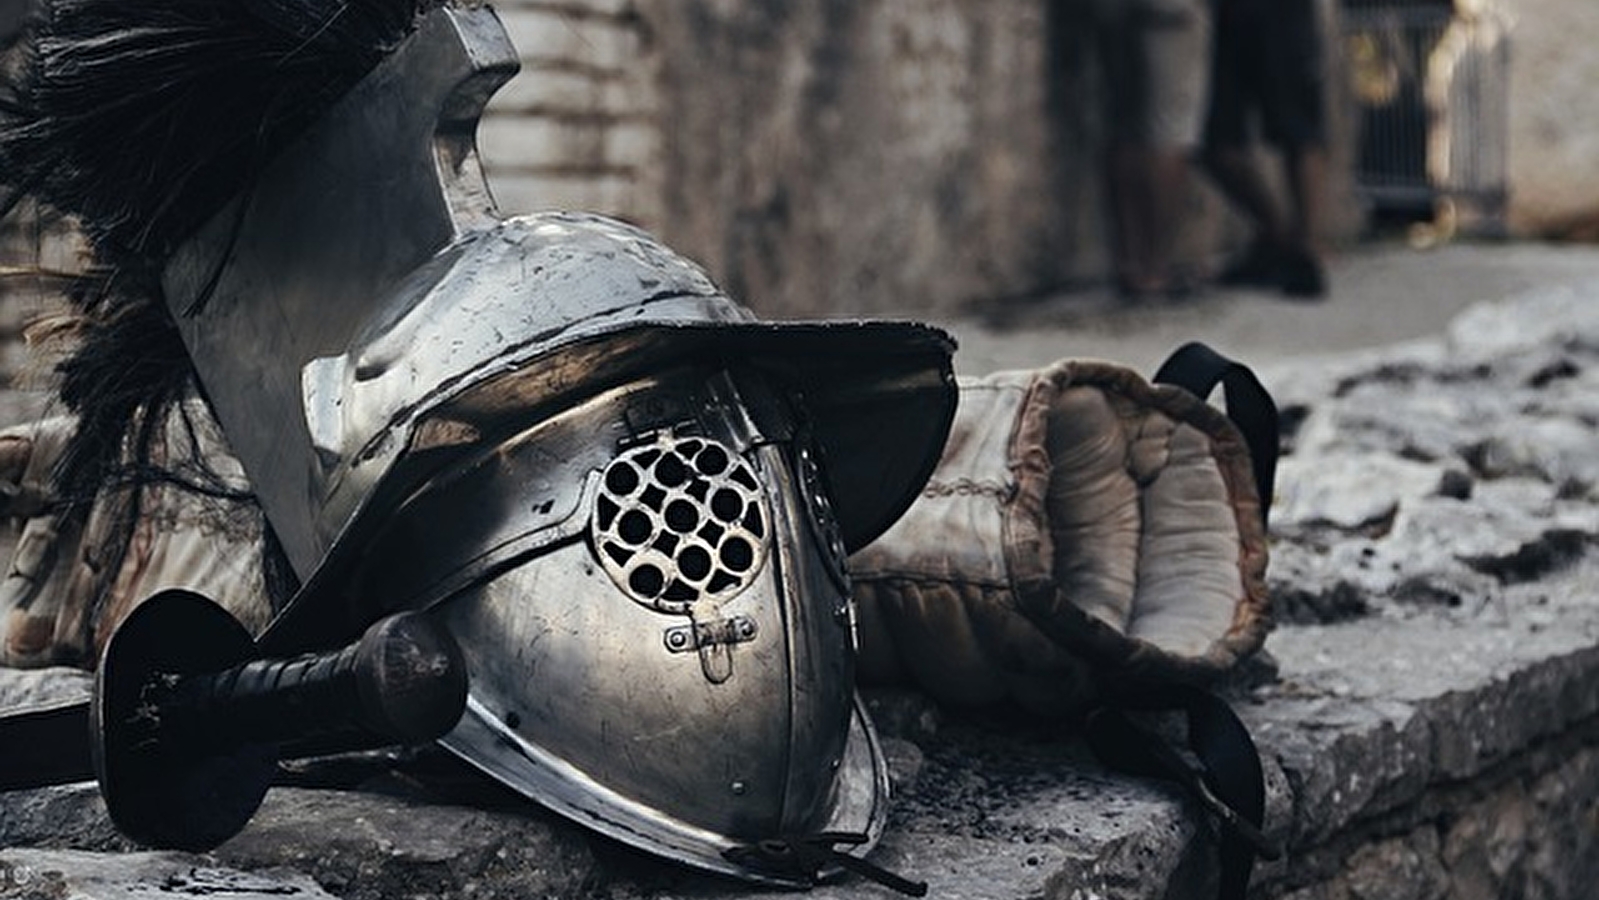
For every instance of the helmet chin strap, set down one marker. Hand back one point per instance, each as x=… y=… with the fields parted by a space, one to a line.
x=801 y=857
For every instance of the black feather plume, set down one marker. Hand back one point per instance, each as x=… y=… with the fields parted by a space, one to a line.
x=142 y=119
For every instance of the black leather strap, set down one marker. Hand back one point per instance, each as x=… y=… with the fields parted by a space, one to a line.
x=1225 y=775
x=1197 y=368
x=1227 y=778
x=46 y=745
x=802 y=857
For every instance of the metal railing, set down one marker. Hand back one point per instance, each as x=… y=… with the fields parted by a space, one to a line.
x=1431 y=88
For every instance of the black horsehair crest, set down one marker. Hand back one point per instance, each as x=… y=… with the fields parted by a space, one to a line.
x=140 y=120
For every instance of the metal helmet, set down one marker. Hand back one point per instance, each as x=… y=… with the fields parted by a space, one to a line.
x=628 y=498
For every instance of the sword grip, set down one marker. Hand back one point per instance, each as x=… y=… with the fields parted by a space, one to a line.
x=404 y=681
x=187 y=726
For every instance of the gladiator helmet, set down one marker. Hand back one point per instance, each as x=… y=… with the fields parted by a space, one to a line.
x=628 y=498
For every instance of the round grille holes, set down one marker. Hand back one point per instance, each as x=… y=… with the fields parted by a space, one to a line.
x=679 y=521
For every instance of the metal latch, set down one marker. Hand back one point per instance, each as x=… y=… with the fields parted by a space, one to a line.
x=711 y=638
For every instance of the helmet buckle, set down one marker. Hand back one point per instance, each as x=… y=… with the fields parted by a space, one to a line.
x=713 y=637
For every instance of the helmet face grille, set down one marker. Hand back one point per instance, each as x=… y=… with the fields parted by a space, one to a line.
x=680 y=521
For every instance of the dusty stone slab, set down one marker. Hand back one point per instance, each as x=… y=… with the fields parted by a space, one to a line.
x=1010 y=810
x=1449 y=636
x=140 y=876
x=1524 y=837
x=68 y=816
x=1369 y=715
x=21 y=688
x=1431 y=728
x=363 y=845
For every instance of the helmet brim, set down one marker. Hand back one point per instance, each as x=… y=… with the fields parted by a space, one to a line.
x=880 y=397
x=859 y=804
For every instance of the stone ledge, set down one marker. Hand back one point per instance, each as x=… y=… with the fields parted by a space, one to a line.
x=1431 y=728
x=76 y=874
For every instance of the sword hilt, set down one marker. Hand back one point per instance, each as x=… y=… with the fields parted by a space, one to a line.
x=189 y=726
x=402 y=682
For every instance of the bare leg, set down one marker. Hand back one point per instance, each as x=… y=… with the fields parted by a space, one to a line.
x=1307 y=173
x=1149 y=188
x=1133 y=190
x=1121 y=176
x=1235 y=173
x=1302 y=272
x=1167 y=198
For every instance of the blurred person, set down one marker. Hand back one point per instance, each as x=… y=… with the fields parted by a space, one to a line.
x=1153 y=58
x=1267 y=70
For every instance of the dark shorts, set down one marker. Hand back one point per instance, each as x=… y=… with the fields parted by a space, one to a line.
x=1266 y=65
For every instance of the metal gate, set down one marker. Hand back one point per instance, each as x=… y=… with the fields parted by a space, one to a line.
x=1430 y=82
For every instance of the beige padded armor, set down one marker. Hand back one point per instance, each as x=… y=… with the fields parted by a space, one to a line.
x=57 y=607
x=1082 y=524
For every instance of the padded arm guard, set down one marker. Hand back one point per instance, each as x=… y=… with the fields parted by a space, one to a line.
x=1083 y=524
x=57 y=604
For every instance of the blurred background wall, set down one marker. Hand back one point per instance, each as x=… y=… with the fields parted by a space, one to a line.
x=817 y=155
x=897 y=156
x=1554 y=117
x=847 y=155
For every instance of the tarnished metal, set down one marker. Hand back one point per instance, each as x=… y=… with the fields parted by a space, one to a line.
x=628 y=499
x=575 y=682
x=296 y=268
x=735 y=630
x=363 y=304
x=580 y=699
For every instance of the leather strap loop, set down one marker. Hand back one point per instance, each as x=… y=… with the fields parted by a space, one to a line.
x=1227 y=778
x=1197 y=368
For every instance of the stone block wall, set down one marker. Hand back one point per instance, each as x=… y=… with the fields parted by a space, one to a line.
x=870 y=157
x=1554 y=117
x=835 y=155
x=895 y=156
x=578 y=127
x=823 y=156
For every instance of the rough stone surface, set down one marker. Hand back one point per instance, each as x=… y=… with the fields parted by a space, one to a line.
x=63 y=817
x=52 y=874
x=1429 y=712
x=860 y=153
x=1525 y=838
x=373 y=847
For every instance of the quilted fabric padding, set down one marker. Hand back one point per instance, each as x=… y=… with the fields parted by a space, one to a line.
x=1083 y=524
x=56 y=606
